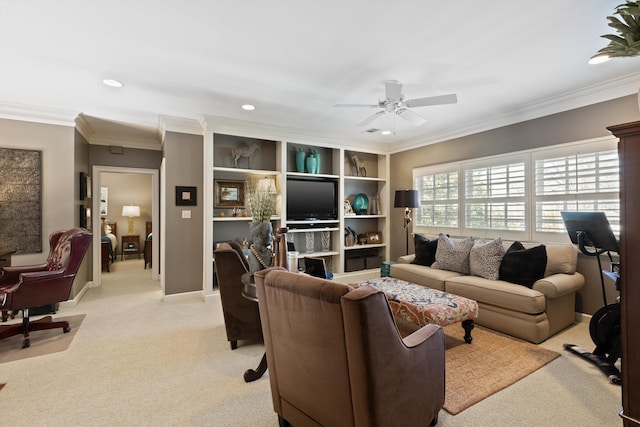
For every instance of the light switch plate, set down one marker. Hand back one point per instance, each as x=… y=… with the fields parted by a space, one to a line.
x=186 y=214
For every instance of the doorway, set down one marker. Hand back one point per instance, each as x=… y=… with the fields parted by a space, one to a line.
x=113 y=211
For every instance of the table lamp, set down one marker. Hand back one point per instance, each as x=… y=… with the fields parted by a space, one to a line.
x=131 y=211
x=407 y=199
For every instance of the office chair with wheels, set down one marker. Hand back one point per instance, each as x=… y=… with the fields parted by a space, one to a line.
x=25 y=287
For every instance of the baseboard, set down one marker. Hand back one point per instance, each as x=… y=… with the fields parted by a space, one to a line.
x=582 y=317
x=73 y=302
x=184 y=296
x=356 y=276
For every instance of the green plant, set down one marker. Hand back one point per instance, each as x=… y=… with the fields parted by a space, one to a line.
x=627 y=42
x=261 y=198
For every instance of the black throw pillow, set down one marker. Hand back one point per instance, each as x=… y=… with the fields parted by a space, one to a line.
x=523 y=266
x=425 y=250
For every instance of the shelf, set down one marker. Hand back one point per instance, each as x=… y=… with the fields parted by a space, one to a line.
x=317 y=254
x=364 y=178
x=238 y=218
x=363 y=216
x=367 y=246
x=245 y=171
x=312 y=175
x=312 y=230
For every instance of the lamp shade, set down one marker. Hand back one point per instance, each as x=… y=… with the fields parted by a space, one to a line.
x=406 y=199
x=130 y=210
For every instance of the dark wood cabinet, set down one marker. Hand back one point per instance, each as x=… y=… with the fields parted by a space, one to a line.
x=130 y=245
x=629 y=152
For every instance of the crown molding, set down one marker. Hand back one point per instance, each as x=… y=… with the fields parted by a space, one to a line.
x=594 y=94
x=179 y=124
x=84 y=127
x=228 y=125
x=30 y=113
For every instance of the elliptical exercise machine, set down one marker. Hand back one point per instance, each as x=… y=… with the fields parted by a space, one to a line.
x=592 y=229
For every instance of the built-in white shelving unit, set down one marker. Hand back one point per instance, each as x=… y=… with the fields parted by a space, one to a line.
x=275 y=157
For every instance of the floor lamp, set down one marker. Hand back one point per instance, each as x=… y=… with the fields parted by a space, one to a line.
x=407 y=199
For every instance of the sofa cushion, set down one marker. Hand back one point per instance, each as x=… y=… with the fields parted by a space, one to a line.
x=497 y=293
x=523 y=266
x=485 y=258
x=425 y=250
x=422 y=275
x=561 y=258
x=453 y=256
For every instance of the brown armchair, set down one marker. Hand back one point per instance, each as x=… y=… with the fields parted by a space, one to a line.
x=336 y=358
x=241 y=316
x=25 y=287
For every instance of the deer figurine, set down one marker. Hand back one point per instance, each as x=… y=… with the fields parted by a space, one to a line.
x=240 y=152
x=361 y=165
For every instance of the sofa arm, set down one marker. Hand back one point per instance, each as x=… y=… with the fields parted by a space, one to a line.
x=406 y=259
x=560 y=284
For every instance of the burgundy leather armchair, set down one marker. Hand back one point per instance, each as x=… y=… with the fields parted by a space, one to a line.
x=241 y=316
x=25 y=287
x=335 y=356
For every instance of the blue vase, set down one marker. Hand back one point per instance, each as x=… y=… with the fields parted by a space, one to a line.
x=317 y=156
x=311 y=163
x=300 y=156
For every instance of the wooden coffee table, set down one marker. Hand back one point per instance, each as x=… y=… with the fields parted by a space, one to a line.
x=422 y=305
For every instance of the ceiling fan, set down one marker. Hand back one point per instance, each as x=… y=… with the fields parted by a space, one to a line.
x=394 y=102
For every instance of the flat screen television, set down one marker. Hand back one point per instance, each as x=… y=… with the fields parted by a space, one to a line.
x=312 y=199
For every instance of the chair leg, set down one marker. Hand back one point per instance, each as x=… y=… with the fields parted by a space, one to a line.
x=27 y=326
x=234 y=344
x=282 y=422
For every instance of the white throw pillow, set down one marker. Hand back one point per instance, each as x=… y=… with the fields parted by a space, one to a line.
x=453 y=256
x=485 y=258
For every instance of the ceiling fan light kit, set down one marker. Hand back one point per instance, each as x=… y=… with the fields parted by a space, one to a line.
x=395 y=102
x=627 y=42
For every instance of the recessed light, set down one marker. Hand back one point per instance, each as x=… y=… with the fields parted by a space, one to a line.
x=599 y=58
x=113 y=82
x=248 y=107
x=386 y=132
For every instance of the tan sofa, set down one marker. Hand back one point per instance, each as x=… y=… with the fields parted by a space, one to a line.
x=532 y=314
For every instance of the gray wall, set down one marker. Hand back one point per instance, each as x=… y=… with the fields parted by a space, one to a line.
x=130 y=158
x=183 y=269
x=81 y=160
x=60 y=181
x=574 y=125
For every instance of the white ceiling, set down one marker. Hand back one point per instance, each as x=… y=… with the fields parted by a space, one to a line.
x=507 y=60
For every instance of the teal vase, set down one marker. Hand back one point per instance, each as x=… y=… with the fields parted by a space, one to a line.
x=311 y=163
x=300 y=156
x=317 y=156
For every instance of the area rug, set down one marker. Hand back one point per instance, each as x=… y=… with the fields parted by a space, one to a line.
x=492 y=362
x=42 y=342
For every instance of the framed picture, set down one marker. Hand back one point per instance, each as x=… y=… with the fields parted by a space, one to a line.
x=85 y=186
x=186 y=196
x=104 y=200
x=85 y=217
x=374 y=237
x=348 y=210
x=229 y=194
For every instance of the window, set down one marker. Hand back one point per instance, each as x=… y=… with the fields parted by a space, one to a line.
x=520 y=195
x=585 y=181
x=438 y=199
x=495 y=197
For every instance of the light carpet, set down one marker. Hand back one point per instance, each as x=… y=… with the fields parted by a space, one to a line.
x=42 y=342
x=492 y=362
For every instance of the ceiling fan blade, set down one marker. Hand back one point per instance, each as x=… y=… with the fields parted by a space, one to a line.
x=393 y=90
x=357 y=105
x=452 y=98
x=371 y=118
x=413 y=118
